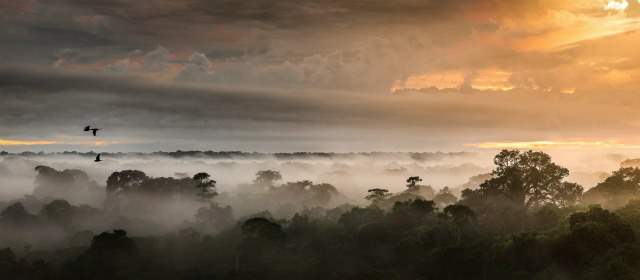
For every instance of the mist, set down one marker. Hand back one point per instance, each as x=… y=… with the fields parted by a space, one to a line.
x=131 y=203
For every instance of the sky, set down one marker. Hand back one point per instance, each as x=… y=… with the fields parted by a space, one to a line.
x=319 y=75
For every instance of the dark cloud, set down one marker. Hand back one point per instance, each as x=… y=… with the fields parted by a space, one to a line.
x=315 y=71
x=46 y=104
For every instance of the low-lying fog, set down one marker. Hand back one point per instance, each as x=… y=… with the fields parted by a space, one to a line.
x=72 y=193
x=351 y=174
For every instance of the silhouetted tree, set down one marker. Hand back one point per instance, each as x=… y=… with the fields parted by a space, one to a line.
x=377 y=195
x=262 y=229
x=321 y=194
x=111 y=256
x=412 y=213
x=529 y=179
x=460 y=214
x=125 y=180
x=616 y=190
x=267 y=178
x=547 y=217
x=16 y=214
x=445 y=197
x=412 y=183
x=214 y=218
x=357 y=217
x=592 y=234
x=58 y=211
x=70 y=184
x=206 y=185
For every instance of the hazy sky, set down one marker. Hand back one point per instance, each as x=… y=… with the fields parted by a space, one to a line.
x=319 y=75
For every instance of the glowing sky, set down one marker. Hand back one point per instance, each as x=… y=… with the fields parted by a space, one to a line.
x=319 y=75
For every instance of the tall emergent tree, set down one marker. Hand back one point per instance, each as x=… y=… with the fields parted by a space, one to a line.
x=412 y=183
x=377 y=195
x=530 y=179
x=206 y=185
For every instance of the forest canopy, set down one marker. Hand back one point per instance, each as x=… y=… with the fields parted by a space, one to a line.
x=523 y=220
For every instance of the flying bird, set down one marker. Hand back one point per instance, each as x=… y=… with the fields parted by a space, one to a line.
x=93 y=130
x=98 y=158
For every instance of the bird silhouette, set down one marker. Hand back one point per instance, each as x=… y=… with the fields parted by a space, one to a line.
x=98 y=158
x=93 y=130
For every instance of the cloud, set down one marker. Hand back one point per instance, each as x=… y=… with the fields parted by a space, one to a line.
x=318 y=72
x=197 y=69
x=151 y=115
x=156 y=60
x=616 y=5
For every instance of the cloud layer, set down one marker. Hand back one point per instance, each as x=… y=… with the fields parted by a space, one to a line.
x=319 y=74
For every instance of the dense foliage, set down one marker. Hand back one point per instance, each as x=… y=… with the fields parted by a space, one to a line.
x=522 y=222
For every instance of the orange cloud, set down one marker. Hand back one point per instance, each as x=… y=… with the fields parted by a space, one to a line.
x=562 y=29
x=484 y=79
x=440 y=80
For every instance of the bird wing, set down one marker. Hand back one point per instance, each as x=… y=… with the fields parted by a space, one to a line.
x=87 y=128
x=94 y=132
x=98 y=157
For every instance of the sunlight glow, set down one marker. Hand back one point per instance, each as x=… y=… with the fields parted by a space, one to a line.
x=18 y=142
x=550 y=144
x=616 y=5
x=14 y=142
x=483 y=79
x=492 y=79
x=441 y=80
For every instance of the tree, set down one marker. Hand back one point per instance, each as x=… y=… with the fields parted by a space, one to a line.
x=445 y=197
x=111 y=242
x=616 y=190
x=206 y=185
x=266 y=178
x=568 y=194
x=530 y=179
x=68 y=183
x=262 y=229
x=321 y=194
x=16 y=214
x=591 y=235
x=125 y=180
x=377 y=195
x=110 y=256
x=460 y=214
x=414 y=188
x=214 y=218
x=58 y=211
x=412 y=183
x=412 y=212
x=630 y=214
x=358 y=216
